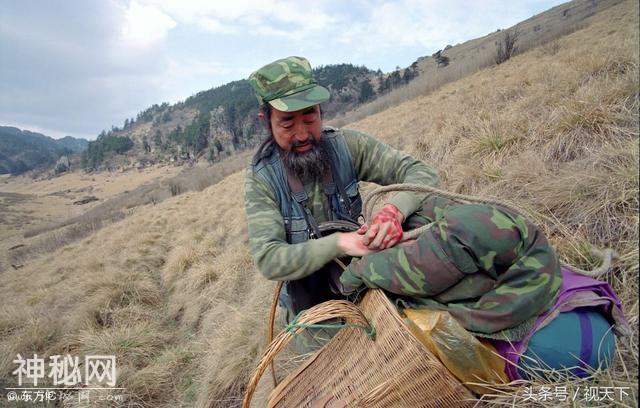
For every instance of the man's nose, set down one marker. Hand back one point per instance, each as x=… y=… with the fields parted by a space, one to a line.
x=302 y=137
x=300 y=132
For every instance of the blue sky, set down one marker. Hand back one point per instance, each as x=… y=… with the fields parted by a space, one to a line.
x=77 y=67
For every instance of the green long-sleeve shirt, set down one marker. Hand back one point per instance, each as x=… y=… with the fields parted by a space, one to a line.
x=373 y=161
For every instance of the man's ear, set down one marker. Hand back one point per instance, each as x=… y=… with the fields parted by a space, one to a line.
x=261 y=115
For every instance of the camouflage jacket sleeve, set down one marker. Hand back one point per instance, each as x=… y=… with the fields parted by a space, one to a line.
x=275 y=258
x=379 y=163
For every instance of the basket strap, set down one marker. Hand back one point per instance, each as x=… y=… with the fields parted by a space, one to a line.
x=331 y=309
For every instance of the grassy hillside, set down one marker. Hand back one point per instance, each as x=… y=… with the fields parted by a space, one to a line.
x=172 y=292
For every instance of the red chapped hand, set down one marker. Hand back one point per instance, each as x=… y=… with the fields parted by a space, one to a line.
x=385 y=230
x=350 y=243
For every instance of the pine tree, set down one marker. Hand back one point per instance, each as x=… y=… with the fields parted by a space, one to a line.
x=366 y=91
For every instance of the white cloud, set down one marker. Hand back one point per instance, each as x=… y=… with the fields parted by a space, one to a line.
x=214 y=25
x=271 y=32
x=258 y=17
x=145 y=25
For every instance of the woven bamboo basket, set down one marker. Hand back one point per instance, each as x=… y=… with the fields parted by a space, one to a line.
x=393 y=369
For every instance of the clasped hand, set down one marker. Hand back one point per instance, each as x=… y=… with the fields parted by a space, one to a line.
x=384 y=232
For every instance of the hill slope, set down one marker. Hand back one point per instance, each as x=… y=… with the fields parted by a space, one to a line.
x=172 y=292
x=23 y=150
x=218 y=122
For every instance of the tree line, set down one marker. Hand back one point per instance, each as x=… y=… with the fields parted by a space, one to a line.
x=232 y=109
x=104 y=147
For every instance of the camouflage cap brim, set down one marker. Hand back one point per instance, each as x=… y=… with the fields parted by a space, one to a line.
x=301 y=100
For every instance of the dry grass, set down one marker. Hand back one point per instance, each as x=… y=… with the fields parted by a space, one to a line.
x=48 y=237
x=171 y=288
x=157 y=289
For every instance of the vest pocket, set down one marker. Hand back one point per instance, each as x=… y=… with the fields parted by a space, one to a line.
x=296 y=230
x=355 y=199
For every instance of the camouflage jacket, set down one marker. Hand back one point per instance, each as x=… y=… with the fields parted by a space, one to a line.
x=373 y=161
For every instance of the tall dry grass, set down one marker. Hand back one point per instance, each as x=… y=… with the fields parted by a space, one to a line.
x=49 y=237
x=171 y=289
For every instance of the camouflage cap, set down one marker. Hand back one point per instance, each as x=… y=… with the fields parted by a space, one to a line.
x=288 y=85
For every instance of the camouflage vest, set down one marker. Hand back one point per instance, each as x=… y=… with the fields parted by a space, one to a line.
x=269 y=167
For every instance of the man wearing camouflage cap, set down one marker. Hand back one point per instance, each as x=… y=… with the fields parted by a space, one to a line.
x=305 y=174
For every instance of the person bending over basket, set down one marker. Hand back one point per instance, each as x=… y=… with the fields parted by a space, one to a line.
x=304 y=177
x=490 y=267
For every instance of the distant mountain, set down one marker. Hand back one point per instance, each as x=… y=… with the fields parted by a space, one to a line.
x=74 y=144
x=22 y=150
x=220 y=121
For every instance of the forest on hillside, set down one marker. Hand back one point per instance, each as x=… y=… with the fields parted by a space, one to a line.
x=225 y=117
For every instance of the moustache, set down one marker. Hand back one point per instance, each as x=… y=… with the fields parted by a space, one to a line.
x=297 y=143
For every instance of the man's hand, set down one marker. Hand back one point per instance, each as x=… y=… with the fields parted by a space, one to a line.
x=385 y=230
x=351 y=244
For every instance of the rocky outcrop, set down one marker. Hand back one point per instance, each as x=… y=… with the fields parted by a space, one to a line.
x=85 y=200
x=63 y=164
x=221 y=142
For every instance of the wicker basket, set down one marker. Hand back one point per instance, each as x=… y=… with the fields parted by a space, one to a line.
x=392 y=370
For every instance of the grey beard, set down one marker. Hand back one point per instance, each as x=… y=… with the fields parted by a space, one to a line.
x=307 y=165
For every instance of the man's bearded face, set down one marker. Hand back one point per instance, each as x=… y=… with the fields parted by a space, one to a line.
x=298 y=135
